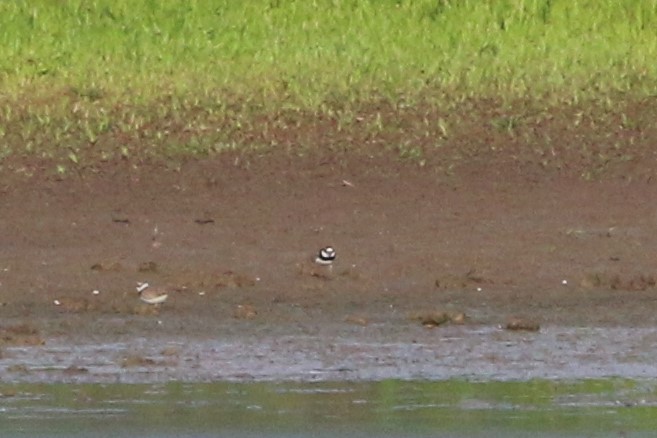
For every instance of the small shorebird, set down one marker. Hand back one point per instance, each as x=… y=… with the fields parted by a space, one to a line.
x=320 y=265
x=325 y=256
x=152 y=295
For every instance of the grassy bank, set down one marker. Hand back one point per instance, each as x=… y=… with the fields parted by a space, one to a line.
x=73 y=73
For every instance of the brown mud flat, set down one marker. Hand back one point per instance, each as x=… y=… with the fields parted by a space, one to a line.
x=470 y=250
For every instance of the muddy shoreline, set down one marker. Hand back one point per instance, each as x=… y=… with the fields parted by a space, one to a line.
x=230 y=245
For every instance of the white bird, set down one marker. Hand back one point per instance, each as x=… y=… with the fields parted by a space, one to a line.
x=152 y=295
x=325 y=256
x=319 y=265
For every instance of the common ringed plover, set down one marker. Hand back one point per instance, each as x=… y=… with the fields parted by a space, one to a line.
x=152 y=295
x=326 y=256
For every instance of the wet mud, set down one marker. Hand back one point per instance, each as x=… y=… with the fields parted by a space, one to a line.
x=481 y=275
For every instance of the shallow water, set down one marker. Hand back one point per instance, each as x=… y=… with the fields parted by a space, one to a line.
x=482 y=353
x=390 y=408
x=453 y=382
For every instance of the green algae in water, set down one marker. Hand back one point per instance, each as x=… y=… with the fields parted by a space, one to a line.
x=456 y=408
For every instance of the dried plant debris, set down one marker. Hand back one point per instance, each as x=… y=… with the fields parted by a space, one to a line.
x=435 y=318
x=522 y=324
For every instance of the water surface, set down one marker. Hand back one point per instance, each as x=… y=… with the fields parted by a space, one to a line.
x=390 y=408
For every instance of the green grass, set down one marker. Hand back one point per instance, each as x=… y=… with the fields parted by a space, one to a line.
x=73 y=71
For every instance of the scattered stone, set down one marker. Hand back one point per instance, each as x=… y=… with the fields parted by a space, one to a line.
x=245 y=311
x=522 y=324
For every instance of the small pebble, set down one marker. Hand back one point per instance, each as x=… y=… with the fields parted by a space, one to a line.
x=57 y=303
x=95 y=291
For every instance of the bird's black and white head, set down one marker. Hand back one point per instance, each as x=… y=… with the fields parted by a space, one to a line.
x=325 y=256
